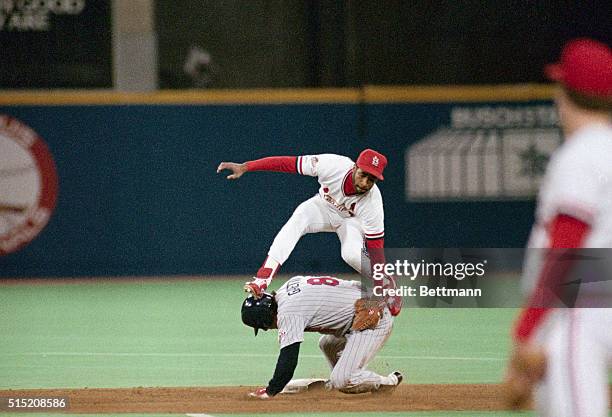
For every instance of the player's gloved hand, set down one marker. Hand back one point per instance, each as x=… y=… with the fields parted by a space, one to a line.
x=367 y=314
x=257 y=286
x=237 y=169
x=260 y=393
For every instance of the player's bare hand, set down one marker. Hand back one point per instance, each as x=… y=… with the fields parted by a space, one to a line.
x=257 y=287
x=237 y=169
x=526 y=368
x=260 y=393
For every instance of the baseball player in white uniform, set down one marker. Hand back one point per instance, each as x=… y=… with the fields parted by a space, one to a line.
x=574 y=211
x=348 y=203
x=324 y=305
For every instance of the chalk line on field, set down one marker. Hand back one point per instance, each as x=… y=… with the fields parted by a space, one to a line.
x=242 y=355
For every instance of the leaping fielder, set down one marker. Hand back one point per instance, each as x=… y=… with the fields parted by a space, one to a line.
x=348 y=203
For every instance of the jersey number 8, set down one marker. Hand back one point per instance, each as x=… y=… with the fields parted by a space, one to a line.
x=332 y=282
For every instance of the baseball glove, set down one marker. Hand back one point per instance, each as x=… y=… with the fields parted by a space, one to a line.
x=526 y=368
x=367 y=314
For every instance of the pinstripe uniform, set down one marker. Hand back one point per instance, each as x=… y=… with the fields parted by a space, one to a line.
x=326 y=305
x=352 y=217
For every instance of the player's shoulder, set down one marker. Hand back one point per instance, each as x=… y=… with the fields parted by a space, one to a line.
x=292 y=280
x=590 y=147
x=335 y=159
x=330 y=166
x=375 y=192
x=599 y=144
x=374 y=196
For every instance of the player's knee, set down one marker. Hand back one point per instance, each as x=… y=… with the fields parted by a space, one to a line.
x=331 y=345
x=353 y=258
x=299 y=223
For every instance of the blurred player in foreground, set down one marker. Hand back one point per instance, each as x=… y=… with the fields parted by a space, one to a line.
x=564 y=353
x=348 y=203
x=354 y=330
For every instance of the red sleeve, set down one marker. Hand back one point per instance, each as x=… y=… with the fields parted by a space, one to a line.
x=274 y=163
x=565 y=232
x=376 y=248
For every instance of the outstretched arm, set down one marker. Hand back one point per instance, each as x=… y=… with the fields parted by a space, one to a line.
x=237 y=169
x=272 y=163
x=285 y=366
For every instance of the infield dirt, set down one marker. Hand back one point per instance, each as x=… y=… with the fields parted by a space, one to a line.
x=430 y=397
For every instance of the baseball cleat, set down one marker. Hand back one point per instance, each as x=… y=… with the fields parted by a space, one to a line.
x=398 y=375
x=395 y=378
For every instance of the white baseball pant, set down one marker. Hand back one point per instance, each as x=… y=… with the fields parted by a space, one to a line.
x=348 y=357
x=313 y=216
x=578 y=344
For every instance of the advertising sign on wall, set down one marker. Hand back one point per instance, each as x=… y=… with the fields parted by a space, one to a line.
x=487 y=153
x=55 y=44
x=28 y=184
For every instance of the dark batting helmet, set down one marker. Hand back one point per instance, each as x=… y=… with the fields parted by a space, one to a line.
x=259 y=313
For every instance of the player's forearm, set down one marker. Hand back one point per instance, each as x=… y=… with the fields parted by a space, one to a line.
x=273 y=163
x=565 y=232
x=529 y=319
x=376 y=250
x=285 y=366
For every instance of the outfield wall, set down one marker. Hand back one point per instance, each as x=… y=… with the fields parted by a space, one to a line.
x=138 y=192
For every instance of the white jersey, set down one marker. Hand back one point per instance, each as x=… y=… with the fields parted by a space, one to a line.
x=578 y=182
x=333 y=171
x=316 y=304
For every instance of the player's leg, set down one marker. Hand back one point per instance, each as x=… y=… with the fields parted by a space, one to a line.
x=308 y=217
x=350 y=234
x=332 y=347
x=355 y=254
x=576 y=379
x=589 y=354
x=552 y=396
x=350 y=374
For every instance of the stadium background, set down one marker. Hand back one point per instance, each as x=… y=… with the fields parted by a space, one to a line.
x=138 y=193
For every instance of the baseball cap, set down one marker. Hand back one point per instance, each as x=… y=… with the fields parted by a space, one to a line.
x=372 y=162
x=585 y=67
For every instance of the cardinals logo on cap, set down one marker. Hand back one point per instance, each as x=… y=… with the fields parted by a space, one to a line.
x=372 y=162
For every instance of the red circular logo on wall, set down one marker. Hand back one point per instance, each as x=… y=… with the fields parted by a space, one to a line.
x=28 y=184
